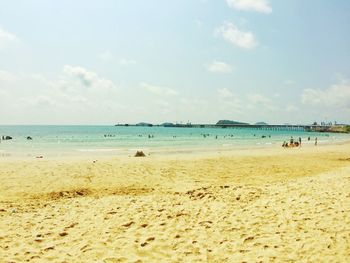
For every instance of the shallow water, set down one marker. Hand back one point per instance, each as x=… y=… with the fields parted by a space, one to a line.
x=80 y=140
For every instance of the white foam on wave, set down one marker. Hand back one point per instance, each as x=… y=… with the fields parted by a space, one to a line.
x=139 y=149
x=98 y=150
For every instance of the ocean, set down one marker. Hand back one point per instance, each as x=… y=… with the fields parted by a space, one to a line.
x=78 y=140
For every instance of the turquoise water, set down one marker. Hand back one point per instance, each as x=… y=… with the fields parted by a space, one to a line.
x=78 y=140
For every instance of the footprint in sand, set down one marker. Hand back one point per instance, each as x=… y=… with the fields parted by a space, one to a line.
x=128 y=224
x=147 y=241
x=113 y=260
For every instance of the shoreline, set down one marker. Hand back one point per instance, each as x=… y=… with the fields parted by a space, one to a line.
x=106 y=153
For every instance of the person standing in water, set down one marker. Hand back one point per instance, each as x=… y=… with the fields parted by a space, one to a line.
x=299 y=141
x=316 y=141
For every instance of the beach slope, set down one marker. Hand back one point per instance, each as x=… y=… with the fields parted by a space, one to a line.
x=278 y=205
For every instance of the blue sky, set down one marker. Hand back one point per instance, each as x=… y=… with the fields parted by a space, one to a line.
x=104 y=62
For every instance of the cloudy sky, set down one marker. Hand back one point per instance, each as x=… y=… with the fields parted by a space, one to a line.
x=110 y=61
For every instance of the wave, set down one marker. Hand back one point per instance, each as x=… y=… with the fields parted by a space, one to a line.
x=98 y=150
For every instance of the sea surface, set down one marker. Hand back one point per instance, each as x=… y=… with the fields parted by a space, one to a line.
x=119 y=140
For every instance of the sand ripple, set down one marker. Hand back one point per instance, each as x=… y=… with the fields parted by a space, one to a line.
x=177 y=214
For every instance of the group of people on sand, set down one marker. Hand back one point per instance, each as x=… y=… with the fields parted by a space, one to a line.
x=293 y=143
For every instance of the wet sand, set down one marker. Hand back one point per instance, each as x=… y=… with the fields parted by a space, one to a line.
x=262 y=205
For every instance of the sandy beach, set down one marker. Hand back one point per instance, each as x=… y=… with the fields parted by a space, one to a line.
x=261 y=205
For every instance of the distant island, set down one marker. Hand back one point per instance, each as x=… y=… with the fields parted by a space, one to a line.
x=228 y=122
x=167 y=124
x=144 y=124
x=261 y=123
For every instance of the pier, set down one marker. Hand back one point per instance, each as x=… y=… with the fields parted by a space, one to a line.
x=284 y=127
x=310 y=128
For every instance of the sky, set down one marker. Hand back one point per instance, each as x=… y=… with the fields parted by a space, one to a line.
x=198 y=61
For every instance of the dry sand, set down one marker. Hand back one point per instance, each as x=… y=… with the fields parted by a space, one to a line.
x=274 y=205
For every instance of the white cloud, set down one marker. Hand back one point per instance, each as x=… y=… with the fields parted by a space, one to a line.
x=6 y=76
x=292 y=108
x=88 y=78
x=158 y=90
x=38 y=77
x=225 y=93
x=219 y=67
x=228 y=103
x=262 y=6
x=337 y=96
x=258 y=101
x=105 y=56
x=162 y=103
x=233 y=35
x=39 y=101
x=289 y=82
x=75 y=95
x=126 y=62
x=3 y=94
x=6 y=38
x=199 y=23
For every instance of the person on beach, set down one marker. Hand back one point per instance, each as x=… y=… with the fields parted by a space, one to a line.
x=315 y=141
x=299 y=141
